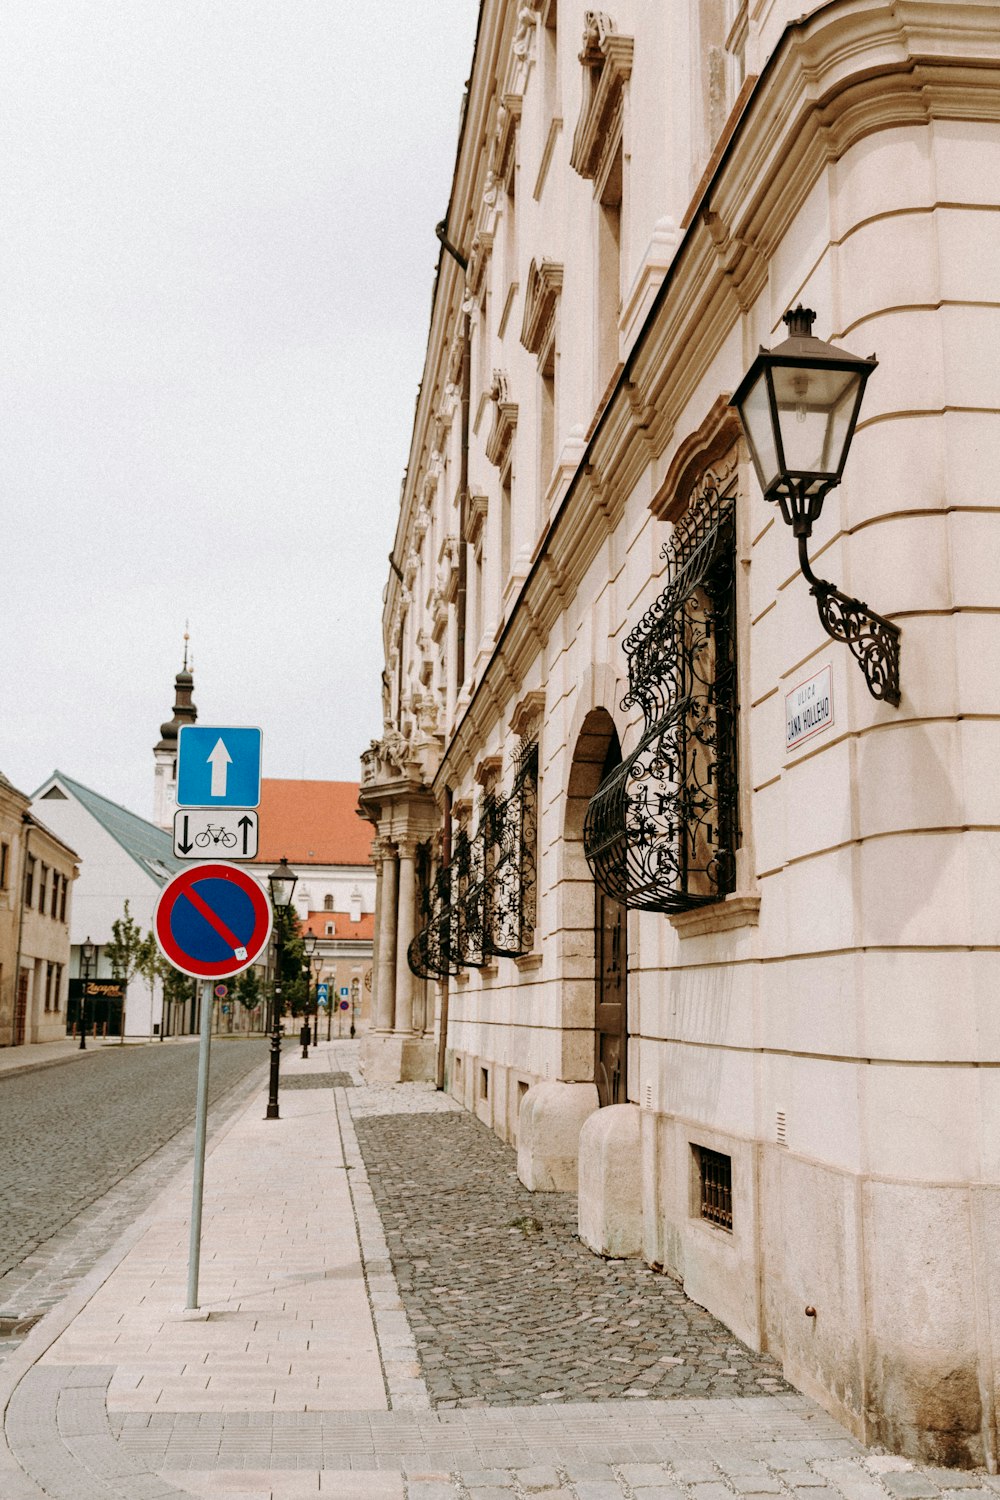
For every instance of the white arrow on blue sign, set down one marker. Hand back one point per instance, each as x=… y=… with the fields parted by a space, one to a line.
x=218 y=766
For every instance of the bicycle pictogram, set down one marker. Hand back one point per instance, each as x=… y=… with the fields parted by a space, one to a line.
x=215 y=834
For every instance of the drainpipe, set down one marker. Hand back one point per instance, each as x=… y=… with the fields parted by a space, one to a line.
x=442 y=1046
x=20 y=928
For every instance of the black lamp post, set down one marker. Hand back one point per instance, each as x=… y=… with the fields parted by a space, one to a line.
x=355 y=987
x=798 y=405
x=309 y=948
x=281 y=884
x=87 y=951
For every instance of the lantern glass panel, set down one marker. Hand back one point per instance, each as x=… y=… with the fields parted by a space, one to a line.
x=815 y=408
x=282 y=881
x=756 y=415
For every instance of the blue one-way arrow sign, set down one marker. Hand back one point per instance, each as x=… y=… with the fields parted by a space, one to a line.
x=218 y=766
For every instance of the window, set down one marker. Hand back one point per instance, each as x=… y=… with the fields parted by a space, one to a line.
x=538 y=335
x=62 y=899
x=58 y=882
x=609 y=273
x=4 y=864
x=598 y=154
x=57 y=989
x=715 y=1187
x=42 y=886
x=328 y=903
x=661 y=832
x=49 y=975
x=506 y=507
x=330 y=929
x=29 y=879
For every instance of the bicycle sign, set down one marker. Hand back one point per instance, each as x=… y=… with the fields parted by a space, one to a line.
x=215 y=832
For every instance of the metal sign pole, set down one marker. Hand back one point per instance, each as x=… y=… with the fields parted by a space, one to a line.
x=200 y=1123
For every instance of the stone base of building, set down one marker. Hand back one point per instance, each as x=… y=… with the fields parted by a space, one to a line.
x=391 y=1057
x=548 y=1139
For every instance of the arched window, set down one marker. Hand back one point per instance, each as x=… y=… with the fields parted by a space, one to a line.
x=328 y=903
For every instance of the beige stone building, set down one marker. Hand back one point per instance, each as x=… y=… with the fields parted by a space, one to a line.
x=37 y=870
x=685 y=856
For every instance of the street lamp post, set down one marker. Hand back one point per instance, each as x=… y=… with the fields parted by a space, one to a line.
x=281 y=883
x=86 y=959
x=355 y=986
x=309 y=942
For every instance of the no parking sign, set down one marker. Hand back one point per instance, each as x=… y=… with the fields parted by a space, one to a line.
x=212 y=920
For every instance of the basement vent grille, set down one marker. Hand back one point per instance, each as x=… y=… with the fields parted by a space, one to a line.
x=715 y=1173
x=779 y=1128
x=647 y=1096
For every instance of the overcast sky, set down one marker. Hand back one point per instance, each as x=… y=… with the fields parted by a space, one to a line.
x=217 y=255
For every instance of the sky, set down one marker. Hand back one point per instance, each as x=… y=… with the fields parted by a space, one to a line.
x=217 y=257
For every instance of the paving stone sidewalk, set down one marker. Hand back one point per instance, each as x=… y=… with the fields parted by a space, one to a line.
x=350 y=1254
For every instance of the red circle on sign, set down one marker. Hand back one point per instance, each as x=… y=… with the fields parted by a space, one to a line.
x=210 y=910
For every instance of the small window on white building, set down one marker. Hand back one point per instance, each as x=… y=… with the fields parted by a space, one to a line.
x=330 y=929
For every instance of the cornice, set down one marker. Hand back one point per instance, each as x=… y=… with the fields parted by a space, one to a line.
x=541 y=296
x=607 y=66
x=504 y=421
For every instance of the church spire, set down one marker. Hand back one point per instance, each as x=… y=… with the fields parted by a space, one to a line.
x=165 y=751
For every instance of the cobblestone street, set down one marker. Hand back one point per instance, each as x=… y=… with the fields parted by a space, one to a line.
x=389 y=1315
x=507 y=1305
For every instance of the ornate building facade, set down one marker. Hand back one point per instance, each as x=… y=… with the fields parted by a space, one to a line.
x=677 y=899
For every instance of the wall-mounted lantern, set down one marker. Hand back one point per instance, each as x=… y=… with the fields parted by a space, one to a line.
x=798 y=405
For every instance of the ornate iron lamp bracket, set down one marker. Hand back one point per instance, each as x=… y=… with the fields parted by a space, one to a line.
x=872 y=639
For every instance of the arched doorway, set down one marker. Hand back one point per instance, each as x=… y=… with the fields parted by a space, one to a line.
x=610 y=977
x=596 y=753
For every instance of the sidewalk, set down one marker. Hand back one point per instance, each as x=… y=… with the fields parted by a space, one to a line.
x=299 y=1375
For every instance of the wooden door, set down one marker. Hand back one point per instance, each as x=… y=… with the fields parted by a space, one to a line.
x=21 y=1009
x=611 y=1009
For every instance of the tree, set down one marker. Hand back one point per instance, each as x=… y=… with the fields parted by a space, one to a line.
x=152 y=966
x=289 y=942
x=248 y=989
x=178 y=988
x=125 y=953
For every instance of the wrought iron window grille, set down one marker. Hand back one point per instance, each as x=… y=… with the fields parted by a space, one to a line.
x=483 y=904
x=660 y=833
x=715 y=1175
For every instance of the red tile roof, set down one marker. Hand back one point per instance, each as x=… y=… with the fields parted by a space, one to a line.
x=312 y=822
x=343 y=927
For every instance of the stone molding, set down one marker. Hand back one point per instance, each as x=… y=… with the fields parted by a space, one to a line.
x=607 y=66
x=541 y=298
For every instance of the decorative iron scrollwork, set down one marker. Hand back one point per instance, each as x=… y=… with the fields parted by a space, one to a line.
x=872 y=639
x=661 y=831
x=483 y=903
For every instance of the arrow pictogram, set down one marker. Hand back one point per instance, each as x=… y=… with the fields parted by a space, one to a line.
x=183 y=844
x=220 y=760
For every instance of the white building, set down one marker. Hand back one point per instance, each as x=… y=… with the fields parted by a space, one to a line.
x=122 y=857
x=731 y=977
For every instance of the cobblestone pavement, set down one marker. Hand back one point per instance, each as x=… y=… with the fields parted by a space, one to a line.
x=508 y=1306
x=87 y=1146
x=488 y=1278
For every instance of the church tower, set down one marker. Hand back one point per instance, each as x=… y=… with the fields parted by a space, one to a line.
x=165 y=752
